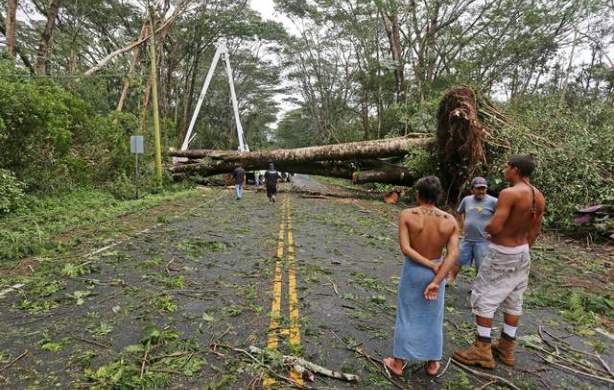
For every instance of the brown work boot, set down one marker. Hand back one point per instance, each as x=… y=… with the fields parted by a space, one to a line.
x=504 y=350
x=479 y=354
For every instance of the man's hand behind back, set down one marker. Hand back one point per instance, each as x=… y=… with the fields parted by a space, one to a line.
x=431 y=292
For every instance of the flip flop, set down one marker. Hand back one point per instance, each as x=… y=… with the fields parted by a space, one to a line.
x=389 y=368
x=431 y=373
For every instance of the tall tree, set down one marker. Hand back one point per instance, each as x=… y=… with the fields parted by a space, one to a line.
x=393 y=31
x=46 y=38
x=11 y=21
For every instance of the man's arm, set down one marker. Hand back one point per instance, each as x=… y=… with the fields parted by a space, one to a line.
x=502 y=212
x=449 y=262
x=406 y=245
x=460 y=213
x=536 y=229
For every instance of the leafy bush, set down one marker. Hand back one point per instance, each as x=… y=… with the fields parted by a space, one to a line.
x=11 y=192
x=574 y=151
x=53 y=140
x=122 y=187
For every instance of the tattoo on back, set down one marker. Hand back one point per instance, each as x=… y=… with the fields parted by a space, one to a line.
x=431 y=212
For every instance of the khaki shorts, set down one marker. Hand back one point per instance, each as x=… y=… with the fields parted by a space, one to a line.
x=501 y=281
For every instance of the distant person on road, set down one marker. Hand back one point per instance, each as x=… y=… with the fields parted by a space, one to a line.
x=239 y=177
x=271 y=176
x=476 y=211
x=504 y=274
x=424 y=231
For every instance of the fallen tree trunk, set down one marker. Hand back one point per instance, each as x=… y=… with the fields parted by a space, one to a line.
x=392 y=175
x=315 y=168
x=339 y=152
x=372 y=170
x=463 y=140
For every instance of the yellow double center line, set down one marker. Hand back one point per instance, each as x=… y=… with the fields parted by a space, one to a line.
x=293 y=331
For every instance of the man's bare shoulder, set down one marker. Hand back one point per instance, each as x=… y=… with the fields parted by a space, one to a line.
x=540 y=200
x=445 y=215
x=509 y=191
x=539 y=194
x=448 y=219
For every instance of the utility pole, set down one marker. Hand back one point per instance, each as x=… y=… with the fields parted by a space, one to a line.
x=154 y=98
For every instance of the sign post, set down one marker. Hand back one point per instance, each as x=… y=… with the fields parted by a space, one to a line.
x=136 y=148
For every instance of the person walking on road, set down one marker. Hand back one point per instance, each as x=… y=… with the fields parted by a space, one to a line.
x=239 y=177
x=476 y=211
x=424 y=231
x=504 y=274
x=271 y=176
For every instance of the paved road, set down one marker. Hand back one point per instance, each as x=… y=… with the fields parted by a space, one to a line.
x=302 y=276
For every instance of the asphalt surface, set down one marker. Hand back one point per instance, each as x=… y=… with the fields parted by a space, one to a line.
x=214 y=279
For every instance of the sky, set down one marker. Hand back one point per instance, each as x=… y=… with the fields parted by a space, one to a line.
x=266 y=8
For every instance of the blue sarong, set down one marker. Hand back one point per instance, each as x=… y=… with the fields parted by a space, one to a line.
x=418 y=331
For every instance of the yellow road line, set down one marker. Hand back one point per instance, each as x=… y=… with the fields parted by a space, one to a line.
x=294 y=334
x=273 y=333
x=295 y=337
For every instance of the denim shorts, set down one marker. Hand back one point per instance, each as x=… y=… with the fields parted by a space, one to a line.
x=472 y=251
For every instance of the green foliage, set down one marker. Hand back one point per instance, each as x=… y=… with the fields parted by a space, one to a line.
x=48 y=345
x=122 y=187
x=51 y=139
x=11 y=192
x=573 y=148
x=420 y=162
x=164 y=303
x=72 y=270
x=172 y=354
x=33 y=229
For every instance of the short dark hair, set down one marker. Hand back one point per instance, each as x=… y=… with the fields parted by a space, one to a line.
x=429 y=189
x=524 y=162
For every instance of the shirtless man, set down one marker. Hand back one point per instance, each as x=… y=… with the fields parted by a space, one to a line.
x=504 y=276
x=423 y=233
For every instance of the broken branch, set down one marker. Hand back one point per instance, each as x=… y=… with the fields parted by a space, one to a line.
x=14 y=361
x=486 y=376
x=293 y=360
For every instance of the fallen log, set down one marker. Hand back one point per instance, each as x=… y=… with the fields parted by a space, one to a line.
x=339 y=152
x=390 y=175
x=368 y=171
x=459 y=150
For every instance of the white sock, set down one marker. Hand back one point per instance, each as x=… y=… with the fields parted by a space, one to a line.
x=484 y=331
x=509 y=330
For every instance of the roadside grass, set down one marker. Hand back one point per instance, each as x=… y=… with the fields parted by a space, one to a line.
x=49 y=225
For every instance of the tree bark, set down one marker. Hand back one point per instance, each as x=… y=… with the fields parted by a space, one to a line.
x=46 y=38
x=393 y=30
x=22 y=55
x=392 y=175
x=348 y=151
x=344 y=170
x=133 y=62
x=11 y=21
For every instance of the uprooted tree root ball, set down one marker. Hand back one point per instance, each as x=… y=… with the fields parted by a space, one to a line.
x=460 y=140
